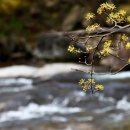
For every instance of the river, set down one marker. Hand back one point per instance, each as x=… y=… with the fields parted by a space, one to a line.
x=49 y=98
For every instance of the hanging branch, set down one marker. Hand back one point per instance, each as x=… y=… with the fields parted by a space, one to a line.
x=119 y=22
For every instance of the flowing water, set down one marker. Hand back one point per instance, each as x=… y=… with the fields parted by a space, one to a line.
x=58 y=103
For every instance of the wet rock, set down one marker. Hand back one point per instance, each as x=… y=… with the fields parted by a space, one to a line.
x=52 y=46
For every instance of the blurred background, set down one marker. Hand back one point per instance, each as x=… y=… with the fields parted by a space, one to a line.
x=38 y=84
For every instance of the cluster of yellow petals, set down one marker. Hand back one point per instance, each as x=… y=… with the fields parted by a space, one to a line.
x=93 y=27
x=124 y=38
x=119 y=17
x=89 y=16
x=99 y=87
x=106 y=48
x=128 y=45
x=89 y=81
x=81 y=81
x=73 y=49
x=105 y=7
x=86 y=84
x=128 y=19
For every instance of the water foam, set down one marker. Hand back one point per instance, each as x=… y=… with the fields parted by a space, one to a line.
x=123 y=104
x=34 y=110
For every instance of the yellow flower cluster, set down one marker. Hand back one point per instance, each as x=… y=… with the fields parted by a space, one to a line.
x=106 y=48
x=93 y=27
x=86 y=84
x=128 y=45
x=128 y=19
x=81 y=81
x=124 y=38
x=122 y=12
x=99 y=87
x=72 y=49
x=89 y=81
x=105 y=7
x=89 y=16
x=119 y=17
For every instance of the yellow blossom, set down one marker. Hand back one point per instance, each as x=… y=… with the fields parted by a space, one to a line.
x=128 y=19
x=72 y=49
x=81 y=81
x=122 y=12
x=105 y=52
x=89 y=16
x=119 y=17
x=84 y=84
x=84 y=88
x=99 y=87
x=107 y=43
x=93 y=27
x=128 y=45
x=124 y=38
x=105 y=7
x=91 y=81
x=106 y=48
